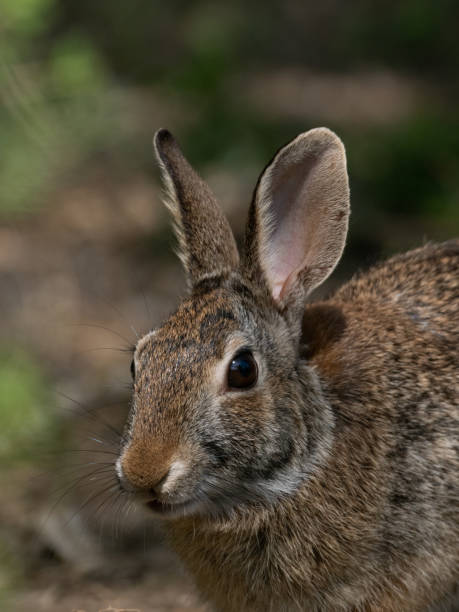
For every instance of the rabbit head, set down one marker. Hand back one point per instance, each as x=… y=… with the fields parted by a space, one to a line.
x=225 y=414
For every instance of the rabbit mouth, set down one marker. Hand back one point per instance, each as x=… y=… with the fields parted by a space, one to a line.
x=169 y=510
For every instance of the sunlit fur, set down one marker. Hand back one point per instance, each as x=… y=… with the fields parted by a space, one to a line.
x=332 y=484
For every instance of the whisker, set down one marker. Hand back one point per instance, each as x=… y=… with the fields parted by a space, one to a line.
x=74 y=466
x=108 y=500
x=61 y=498
x=76 y=481
x=83 y=450
x=104 y=443
x=105 y=348
x=116 y=522
x=120 y=314
x=112 y=331
x=98 y=509
x=88 y=500
x=91 y=414
x=111 y=437
x=128 y=386
x=147 y=306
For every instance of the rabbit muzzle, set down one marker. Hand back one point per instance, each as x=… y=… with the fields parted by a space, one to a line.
x=155 y=476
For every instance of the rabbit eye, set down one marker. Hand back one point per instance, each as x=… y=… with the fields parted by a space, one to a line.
x=133 y=370
x=242 y=371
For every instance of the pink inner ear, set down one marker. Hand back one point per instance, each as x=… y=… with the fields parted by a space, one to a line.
x=302 y=204
x=305 y=196
x=292 y=223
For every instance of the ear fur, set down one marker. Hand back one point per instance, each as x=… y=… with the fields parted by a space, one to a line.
x=298 y=219
x=206 y=242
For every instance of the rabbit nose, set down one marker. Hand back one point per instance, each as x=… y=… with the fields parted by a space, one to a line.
x=141 y=483
x=144 y=469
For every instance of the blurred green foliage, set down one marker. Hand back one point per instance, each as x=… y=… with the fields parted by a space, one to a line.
x=27 y=426
x=26 y=408
x=412 y=169
x=53 y=101
x=26 y=18
x=64 y=64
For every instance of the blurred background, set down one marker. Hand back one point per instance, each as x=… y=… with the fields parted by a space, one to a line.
x=86 y=251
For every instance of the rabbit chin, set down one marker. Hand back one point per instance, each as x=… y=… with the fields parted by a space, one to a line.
x=178 y=510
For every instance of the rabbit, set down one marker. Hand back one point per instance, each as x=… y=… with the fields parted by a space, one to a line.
x=302 y=455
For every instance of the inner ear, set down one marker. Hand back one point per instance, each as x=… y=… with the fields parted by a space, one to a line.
x=300 y=215
x=290 y=224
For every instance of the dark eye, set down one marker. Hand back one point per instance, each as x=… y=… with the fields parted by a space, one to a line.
x=242 y=371
x=133 y=370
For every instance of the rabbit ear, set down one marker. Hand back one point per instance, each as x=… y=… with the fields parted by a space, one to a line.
x=206 y=242
x=298 y=219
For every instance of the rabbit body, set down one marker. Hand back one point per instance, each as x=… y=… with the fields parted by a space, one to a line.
x=376 y=526
x=331 y=484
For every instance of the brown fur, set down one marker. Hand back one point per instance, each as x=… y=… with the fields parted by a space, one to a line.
x=197 y=216
x=332 y=485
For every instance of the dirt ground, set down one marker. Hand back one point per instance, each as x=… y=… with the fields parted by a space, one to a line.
x=57 y=589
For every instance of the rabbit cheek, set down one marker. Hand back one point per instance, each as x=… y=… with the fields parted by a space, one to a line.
x=260 y=445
